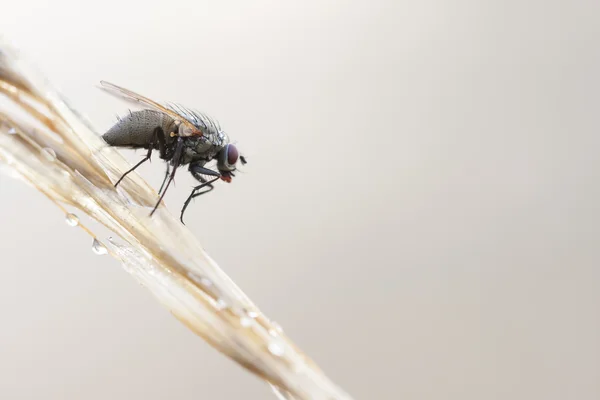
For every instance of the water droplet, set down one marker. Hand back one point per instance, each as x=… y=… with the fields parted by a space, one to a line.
x=49 y=154
x=12 y=131
x=205 y=282
x=98 y=247
x=200 y=279
x=72 y=220
x=276 y=348
x=246 y=322
x=253 y=314
x=221 y=304
x=276 y=329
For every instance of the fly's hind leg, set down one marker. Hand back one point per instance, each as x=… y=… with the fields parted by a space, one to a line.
x=196 y=171
x=159 y=138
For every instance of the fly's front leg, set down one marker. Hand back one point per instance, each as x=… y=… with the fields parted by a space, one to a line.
x=197 y=170
x=157 y=137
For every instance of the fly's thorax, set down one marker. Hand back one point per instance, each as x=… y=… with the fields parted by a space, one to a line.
x=199 y=148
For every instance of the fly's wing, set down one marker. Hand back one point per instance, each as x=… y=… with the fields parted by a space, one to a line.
x=190 y=129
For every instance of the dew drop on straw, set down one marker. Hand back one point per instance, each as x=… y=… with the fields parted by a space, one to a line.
x=12 y=131
x=98 y=247
x=72 y=220
x=246 y=322
x=49 y=153
x=200 y=279
x=275 y=330
x=276 y=348
x=205 y=282
x=221 y=304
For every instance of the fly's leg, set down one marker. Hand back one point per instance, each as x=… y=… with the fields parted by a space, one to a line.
x=194 y=194
x=164 y=180
x=196 y=170
x=135 y=166
x=161 y=140
x=176 y=161
x=158 y=137
x=162 y=148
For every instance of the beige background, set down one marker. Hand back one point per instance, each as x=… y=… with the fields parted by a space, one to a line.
x=419 y=211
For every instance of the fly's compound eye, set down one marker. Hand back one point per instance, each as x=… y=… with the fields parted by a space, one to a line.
x=228 y=158
x=232 y=154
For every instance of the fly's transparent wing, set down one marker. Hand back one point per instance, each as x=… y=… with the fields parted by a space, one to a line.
x=191 y=129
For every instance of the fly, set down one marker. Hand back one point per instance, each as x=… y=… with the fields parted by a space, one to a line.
x=182 y=137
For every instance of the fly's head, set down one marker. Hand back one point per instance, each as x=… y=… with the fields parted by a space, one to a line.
x=227 y=160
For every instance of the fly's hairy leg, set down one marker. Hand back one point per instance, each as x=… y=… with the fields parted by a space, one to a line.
x=196 y=171
x=176 y=161
x=157 y=137
x=164 y=180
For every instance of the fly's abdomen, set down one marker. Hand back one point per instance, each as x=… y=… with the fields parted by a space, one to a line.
x=137 y=129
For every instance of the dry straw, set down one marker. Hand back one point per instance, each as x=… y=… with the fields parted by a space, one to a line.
x=45 y=142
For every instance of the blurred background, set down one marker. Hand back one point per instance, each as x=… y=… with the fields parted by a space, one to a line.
x=419 y=210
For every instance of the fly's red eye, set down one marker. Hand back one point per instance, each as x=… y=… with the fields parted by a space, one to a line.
x=232 y=154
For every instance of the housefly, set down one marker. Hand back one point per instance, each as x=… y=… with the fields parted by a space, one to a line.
x=182 y=137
